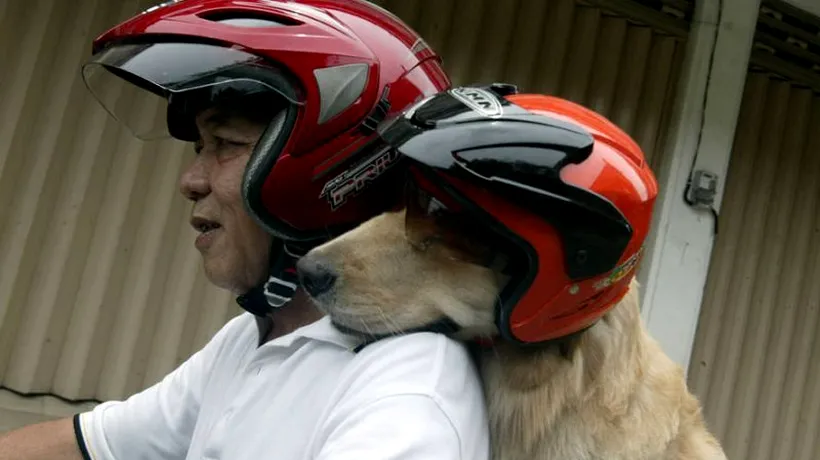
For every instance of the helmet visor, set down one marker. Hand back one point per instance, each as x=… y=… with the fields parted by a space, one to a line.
x=129 y=80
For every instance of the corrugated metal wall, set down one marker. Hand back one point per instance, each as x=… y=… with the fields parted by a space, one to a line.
x=101 y=291
x=623 y=70
x=754 y=363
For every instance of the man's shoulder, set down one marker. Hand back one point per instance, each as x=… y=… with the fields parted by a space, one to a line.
x=417 y=380
x=421 y=363
x=422 y=346
x=241 y=324
x=234 y=335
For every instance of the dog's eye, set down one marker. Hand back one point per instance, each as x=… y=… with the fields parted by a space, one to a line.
x=430 y=222
x=425 y=243
x=461 y=238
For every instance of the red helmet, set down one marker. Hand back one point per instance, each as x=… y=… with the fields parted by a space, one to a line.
x=333 y=69
x=562 y=192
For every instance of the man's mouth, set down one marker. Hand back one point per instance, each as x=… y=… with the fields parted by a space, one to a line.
x=203 y=225
x=206 y=229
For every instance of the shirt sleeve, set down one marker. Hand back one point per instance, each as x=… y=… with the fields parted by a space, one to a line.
x=156 y=423
x=398 y=427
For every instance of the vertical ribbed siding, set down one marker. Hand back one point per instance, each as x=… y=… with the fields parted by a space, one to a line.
x=626 y=71
x=754 y=362
x=101 y=290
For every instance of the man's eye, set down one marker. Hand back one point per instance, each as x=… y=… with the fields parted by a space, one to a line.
x=221 y=146
x=230 y=142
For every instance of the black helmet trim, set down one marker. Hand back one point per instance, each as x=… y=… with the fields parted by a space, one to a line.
x=265 y=155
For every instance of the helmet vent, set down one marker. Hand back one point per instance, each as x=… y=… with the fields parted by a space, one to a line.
x=247 y=19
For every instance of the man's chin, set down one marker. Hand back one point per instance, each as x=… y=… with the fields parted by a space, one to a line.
x=205 y=241
x=220 y=275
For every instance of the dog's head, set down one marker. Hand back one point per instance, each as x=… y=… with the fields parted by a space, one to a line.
x=404 y=270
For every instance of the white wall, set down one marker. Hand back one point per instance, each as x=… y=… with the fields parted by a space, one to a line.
x=683 y=236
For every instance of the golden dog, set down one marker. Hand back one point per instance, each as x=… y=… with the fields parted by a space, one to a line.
x=609 y=392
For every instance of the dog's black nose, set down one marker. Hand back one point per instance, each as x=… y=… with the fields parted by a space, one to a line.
x=315 y=275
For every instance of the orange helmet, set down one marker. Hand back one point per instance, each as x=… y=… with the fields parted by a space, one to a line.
x=561 y=191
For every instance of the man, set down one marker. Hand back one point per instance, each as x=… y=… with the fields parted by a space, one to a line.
x=283 y=93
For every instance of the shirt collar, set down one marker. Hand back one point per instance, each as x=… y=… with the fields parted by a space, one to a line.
x=321 y=330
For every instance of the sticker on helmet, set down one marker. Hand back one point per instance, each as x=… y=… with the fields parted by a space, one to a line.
x=352 y=181
x=480 y=100
x=419 y=46
x=160 y=5
x=620 y=271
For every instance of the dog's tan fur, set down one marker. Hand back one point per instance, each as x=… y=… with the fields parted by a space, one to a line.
x=607 y=393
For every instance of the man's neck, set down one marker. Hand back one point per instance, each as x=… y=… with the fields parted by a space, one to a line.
x=297 y=313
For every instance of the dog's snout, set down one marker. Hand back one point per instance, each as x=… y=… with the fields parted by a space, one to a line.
x=316 y=275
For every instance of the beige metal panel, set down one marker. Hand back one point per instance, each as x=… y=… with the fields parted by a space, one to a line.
x=101 y=290
x=754 y=362
x=16 y=411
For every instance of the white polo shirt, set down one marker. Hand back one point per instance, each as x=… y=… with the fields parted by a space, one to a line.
x=302 y=396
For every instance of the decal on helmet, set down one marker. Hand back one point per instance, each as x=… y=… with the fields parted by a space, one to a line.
x=352 y=181
x=480 y=100
x=620 y=271
x=419 y=46
x=160 y=5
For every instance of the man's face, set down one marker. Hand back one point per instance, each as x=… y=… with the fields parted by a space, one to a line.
x=234 y=247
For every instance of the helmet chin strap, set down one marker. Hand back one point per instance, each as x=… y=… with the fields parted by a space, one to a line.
x=281 y=285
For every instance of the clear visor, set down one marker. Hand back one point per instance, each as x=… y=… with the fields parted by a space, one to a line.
x=136 y=83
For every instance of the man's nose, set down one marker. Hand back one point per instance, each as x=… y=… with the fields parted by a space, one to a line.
x=194 y=184
x=316 y=274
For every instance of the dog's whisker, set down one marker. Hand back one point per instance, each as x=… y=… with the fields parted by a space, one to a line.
x=366 y=327
x=392 y=327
